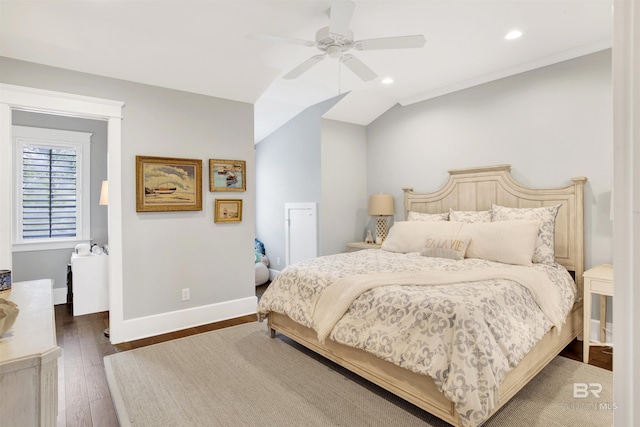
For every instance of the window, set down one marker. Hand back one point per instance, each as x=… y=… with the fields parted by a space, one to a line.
x=52 y=181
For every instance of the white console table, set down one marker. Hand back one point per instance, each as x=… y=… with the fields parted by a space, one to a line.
x=29 y=358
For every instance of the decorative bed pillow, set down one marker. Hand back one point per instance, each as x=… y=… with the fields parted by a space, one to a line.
x=509 y=242
x=469 y=216
x=410 y=236
x=421 y=216
x=545 y=246
x=452 y=247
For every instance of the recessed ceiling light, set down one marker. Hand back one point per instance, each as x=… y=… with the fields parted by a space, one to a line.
x=513 y=34
x=387 y=81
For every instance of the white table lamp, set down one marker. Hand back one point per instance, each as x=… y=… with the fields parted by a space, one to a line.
x=381 y=205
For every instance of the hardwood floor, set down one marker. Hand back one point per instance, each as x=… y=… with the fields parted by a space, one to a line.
x=83 y=394
x=601 y=357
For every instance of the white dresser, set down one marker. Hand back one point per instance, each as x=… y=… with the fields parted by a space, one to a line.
x=29 y=358
x=90 y=283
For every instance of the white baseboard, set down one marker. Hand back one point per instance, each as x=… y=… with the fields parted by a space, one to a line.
x=59 y=296
x=159 y=324
x=273 y=274
x=594 y=333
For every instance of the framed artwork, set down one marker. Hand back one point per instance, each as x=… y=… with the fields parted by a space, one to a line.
x=165 y=184
x=227 y=175
x=227 y=210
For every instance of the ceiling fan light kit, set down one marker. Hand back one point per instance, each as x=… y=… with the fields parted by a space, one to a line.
x=336 y=39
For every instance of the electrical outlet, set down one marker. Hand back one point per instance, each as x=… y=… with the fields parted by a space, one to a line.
x=278 y=261
x=185 y=294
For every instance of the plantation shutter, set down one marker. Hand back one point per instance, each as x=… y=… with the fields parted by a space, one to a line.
x=49 y=197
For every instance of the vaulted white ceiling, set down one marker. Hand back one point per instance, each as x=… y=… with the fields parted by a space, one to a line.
x=201 y=46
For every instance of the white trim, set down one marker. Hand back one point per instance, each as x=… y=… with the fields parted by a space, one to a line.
x=626 y=222
x=6 y=188
x=59 y=296
x=501 y=74
x=163 y=323
x=80 y=142
x=59 y=103
x=23 y=98
x=47 y=246
x=114 y=223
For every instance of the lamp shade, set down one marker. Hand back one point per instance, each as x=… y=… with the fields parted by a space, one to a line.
x=104 y=193
x=381 y=204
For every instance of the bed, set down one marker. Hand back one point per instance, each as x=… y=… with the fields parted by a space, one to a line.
x=456 y=337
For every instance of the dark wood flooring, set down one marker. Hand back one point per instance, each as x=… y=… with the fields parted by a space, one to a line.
x=83 y=394
x=599 y=356
x=84 y=398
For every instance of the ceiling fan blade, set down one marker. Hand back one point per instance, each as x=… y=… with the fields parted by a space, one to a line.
x=303 y=67
x=358 y=67
x=340 y=17
x=400 y=42
x=279 y=39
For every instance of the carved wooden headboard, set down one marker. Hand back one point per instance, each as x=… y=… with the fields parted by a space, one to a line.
x=476 y=189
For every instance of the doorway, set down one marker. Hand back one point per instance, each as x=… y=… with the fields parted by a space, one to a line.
x=49 y=262
x=15 y=99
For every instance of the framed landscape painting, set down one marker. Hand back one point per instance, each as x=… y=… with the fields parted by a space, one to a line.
x=227 y=175
x=227 y=210
x=165 y=184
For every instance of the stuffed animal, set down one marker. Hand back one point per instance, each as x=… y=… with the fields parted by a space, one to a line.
x=261 y=263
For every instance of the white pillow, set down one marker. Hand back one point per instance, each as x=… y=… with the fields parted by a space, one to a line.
x=410 y=236
x=509 y=242
x=421 y=216
x=470 y=216
x=544 y=252
x=452 y=247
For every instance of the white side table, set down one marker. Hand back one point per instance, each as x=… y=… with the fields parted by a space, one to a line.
x=597 y=280
x=90 y=277
x=358 y=246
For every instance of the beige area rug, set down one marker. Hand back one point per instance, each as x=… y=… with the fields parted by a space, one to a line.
x=241 y=377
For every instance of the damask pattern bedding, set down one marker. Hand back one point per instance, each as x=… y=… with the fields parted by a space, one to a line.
x=465 y=336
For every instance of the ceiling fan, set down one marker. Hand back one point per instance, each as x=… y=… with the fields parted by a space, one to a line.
x=336 y=39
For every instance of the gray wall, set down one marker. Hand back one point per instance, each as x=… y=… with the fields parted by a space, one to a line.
x=288 y=167
x=550 y=124
x=165 y=252
x=52 y=264
x=344 y=185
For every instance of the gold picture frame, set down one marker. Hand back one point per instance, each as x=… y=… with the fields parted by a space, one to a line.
x=227 y=175
x=228 y=210
x=166 y=184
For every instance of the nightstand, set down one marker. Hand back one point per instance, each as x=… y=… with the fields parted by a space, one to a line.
x=358 y=246
x=597 y=280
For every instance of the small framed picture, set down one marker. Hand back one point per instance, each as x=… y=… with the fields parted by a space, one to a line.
x=228 y=210
x=165 y=184
x=227 y=175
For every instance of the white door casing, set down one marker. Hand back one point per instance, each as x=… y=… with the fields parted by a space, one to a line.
x=14 y=97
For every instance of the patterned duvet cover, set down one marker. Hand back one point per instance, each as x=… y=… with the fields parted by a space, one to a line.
x=465 y=336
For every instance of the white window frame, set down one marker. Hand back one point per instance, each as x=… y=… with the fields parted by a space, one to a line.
x=54 y=138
